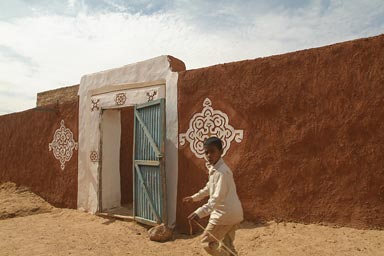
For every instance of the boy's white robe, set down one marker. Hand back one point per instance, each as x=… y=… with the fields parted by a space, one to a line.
x=223 y=203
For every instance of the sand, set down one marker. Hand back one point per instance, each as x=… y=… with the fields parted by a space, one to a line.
x=30 y=226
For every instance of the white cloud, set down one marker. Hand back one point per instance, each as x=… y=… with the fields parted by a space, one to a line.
x=51 y=51
x=71 y=3
x=14 y=99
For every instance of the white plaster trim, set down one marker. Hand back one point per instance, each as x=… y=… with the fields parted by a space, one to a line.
x=121 y=87
x=131 y=97
x=97 y=92
x=207 y=123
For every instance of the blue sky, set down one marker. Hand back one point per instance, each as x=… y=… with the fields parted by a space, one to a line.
x=47 y=44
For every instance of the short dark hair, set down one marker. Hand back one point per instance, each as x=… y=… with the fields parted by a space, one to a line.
x=215 y=142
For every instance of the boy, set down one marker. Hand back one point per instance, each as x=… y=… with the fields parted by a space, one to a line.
x=223 y=206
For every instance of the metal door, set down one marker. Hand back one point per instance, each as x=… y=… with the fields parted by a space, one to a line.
x=149 y=206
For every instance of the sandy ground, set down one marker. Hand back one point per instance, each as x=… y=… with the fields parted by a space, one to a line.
x=30 y=226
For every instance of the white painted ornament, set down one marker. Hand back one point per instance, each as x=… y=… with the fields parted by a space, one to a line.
x=63 y=144
x=207 y=123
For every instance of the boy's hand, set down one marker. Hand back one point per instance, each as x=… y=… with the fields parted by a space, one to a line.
x=187 y=199
x=193 y=216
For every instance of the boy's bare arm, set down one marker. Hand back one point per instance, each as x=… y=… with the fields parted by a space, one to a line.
x=187 y=199
x=203 y=193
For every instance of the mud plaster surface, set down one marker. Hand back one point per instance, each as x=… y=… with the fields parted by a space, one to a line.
x=25 y=157
x=313 y=126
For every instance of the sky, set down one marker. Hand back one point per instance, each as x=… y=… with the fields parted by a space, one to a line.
x=48 y=44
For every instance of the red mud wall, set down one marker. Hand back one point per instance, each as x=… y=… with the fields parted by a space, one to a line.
x=313 y=121
x=25 y=157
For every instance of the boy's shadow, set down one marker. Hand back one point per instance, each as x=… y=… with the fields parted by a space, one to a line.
x=197 y=231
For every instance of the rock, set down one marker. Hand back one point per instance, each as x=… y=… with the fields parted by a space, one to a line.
x=160 y=233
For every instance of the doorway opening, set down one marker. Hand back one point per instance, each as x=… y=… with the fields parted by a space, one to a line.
x=116 y=176
x=132 y=176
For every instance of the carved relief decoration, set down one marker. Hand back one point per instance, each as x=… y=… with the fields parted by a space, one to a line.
x=151 y=95
x=95 y=104
x=94 y=156
x=120 y=98
x=63 y=144
x=207 y=123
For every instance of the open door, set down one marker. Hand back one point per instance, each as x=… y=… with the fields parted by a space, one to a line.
x=149 y=188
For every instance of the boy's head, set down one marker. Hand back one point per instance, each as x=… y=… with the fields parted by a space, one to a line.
x=213 y=149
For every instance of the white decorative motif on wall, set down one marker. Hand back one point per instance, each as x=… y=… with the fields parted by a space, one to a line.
x=63 y=144
x=207 y=123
